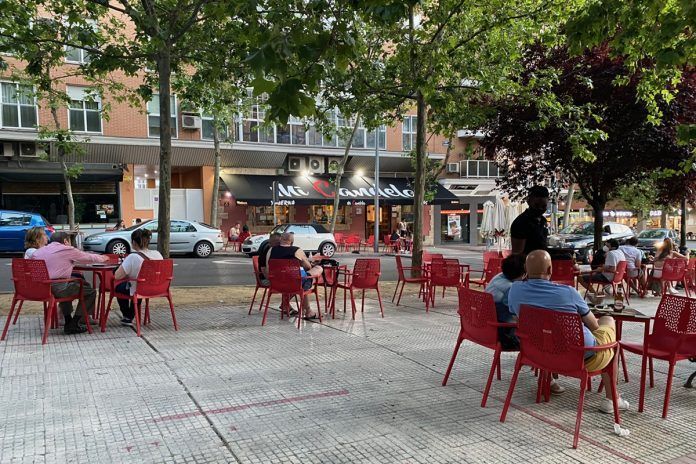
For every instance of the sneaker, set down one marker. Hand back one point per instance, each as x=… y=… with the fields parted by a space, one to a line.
x=556 y=388
x=127 y=322
x=72 y=329
x=607 y=407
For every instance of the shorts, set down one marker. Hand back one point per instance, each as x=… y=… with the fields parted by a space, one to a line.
x=635 y=273
x=601 y=359
x=307 y=281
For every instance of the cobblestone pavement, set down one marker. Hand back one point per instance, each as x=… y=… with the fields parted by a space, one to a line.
x=224 y=389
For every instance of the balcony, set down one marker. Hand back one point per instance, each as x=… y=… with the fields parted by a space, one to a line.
x=466 y=133
x=479 y=169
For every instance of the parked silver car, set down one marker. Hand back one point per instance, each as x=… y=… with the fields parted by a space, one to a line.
x=309 y=237
x=186 y=237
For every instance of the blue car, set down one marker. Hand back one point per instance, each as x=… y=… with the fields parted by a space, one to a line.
x=14 y=225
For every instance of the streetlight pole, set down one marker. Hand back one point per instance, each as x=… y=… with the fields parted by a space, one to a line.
x=377 y=215
x=682 y=230
x=275 y=201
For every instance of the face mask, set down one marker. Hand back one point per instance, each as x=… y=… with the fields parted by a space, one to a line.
x=605 y=249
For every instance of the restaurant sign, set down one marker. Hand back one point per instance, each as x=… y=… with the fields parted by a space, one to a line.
x=328 y=190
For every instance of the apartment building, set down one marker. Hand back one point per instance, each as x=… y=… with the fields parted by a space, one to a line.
x=120 y=176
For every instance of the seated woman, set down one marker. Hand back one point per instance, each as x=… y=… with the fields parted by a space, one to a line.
x=499 y=287
x=34 y=239
x=244 y=235
x=130 y=268
x=667 y=251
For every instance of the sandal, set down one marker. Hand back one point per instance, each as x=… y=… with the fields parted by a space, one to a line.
x=312 y=317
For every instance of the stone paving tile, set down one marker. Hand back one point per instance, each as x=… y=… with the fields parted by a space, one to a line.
x=224 y=389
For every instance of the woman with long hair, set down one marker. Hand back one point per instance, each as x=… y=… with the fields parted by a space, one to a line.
x=130 y=268
x=34 y=239
x=667 y=251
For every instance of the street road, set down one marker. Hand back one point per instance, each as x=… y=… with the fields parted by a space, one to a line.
x=235 y=269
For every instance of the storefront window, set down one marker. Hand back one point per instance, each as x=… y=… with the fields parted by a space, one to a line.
x=263 y=215
x=322 y=214
x=454 y=225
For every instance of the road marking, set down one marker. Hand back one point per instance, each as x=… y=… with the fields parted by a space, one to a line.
x=260 y=404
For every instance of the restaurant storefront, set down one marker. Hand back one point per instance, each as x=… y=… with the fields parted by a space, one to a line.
x=249 y=199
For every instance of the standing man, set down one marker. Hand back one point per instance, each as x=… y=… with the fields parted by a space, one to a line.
x=529 y=231
x=402 y=228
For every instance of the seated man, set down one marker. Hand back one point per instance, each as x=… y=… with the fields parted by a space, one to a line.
x=540 y=292
x=286 y=250
x=499 y=286
x=605 y=274
x=634 y=263
x=60 y=256
x=273 y=241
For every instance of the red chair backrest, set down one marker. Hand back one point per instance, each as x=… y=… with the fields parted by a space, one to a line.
x=30 y=277
x=366 y=273
x=257 y=271
x=691 y=266
x=493 y=268
x=400 y=267
x=563 y=271
x=339 y=237
x=477 y=313
x=620 y=272
x=284 y=275
x=330 y=274
x=552 y=340
x=487 y=255
x=157 y=276
x=352 y=240
x=371 y=240
x=428 y=257
x=674 y=269
x=387 y=240
x=445 y=272
x=675 y=324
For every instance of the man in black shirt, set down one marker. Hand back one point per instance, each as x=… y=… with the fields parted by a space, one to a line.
x=529 y=230
x=273 y=240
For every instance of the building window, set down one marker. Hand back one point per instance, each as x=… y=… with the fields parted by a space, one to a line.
x=153 y=116
x=298 y=134
x=85 y=110
x=253 y=128
x=370 y=138
x=263 y=215
x=18 y=106
x=409 y=132
x=480 y=168
x=322 y=214
x=78 y=55
x=207 y=128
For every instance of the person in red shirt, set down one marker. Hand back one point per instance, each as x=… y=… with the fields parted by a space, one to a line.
x=244 y=235
x=60 y=256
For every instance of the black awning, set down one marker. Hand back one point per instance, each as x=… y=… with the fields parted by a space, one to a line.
x=301 y=190
x=43 y=171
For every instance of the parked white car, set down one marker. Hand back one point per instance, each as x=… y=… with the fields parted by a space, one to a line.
x=309 y=237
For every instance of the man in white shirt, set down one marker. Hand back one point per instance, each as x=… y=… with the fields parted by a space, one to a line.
x=634 y=262
x=606 y=272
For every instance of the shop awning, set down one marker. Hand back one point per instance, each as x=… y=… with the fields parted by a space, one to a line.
x=301 y=190
x=43 y=171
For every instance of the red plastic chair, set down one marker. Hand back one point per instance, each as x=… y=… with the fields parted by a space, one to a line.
x=563 y=272
x=32 y=283
x=479 y=325
x=368 y=244
x=388 y=245
x=403 y=280
x=673 y=339
x=445 y=273
x=674 y=270
x=352 y=242
x=340 y=241
x=428 y=257
x=365 y=276
x=553 y=341
x=616 y=283
x=690 y=275
x=492 y=268
x=154 y=281
x=259 y=284
x=285 y=278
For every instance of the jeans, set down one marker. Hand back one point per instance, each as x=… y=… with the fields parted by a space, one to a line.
x=126 y=306
x=508 y=339
x=67 y=289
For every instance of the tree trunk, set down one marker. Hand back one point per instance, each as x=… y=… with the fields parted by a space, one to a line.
x=66 y=174
x=216 y=174
x=598 y=210
x=663 y=218
x=419 y=187
x=165 y=167
x=569 y=205
x=339 y=174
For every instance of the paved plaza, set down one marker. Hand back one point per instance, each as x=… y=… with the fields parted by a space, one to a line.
x=224 y=389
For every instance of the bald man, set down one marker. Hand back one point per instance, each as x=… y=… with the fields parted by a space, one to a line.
x=539 y=291
x=286 y=250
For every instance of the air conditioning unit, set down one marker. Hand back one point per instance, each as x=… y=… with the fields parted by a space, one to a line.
x=452 y=167
x=28 y=150
x=334 y=164
x=191 y=121
x=296 y=163
x=316 y=165
x=7 y=149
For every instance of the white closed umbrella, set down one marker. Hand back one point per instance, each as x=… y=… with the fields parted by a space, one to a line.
x=500 y=221
x=487 y=229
